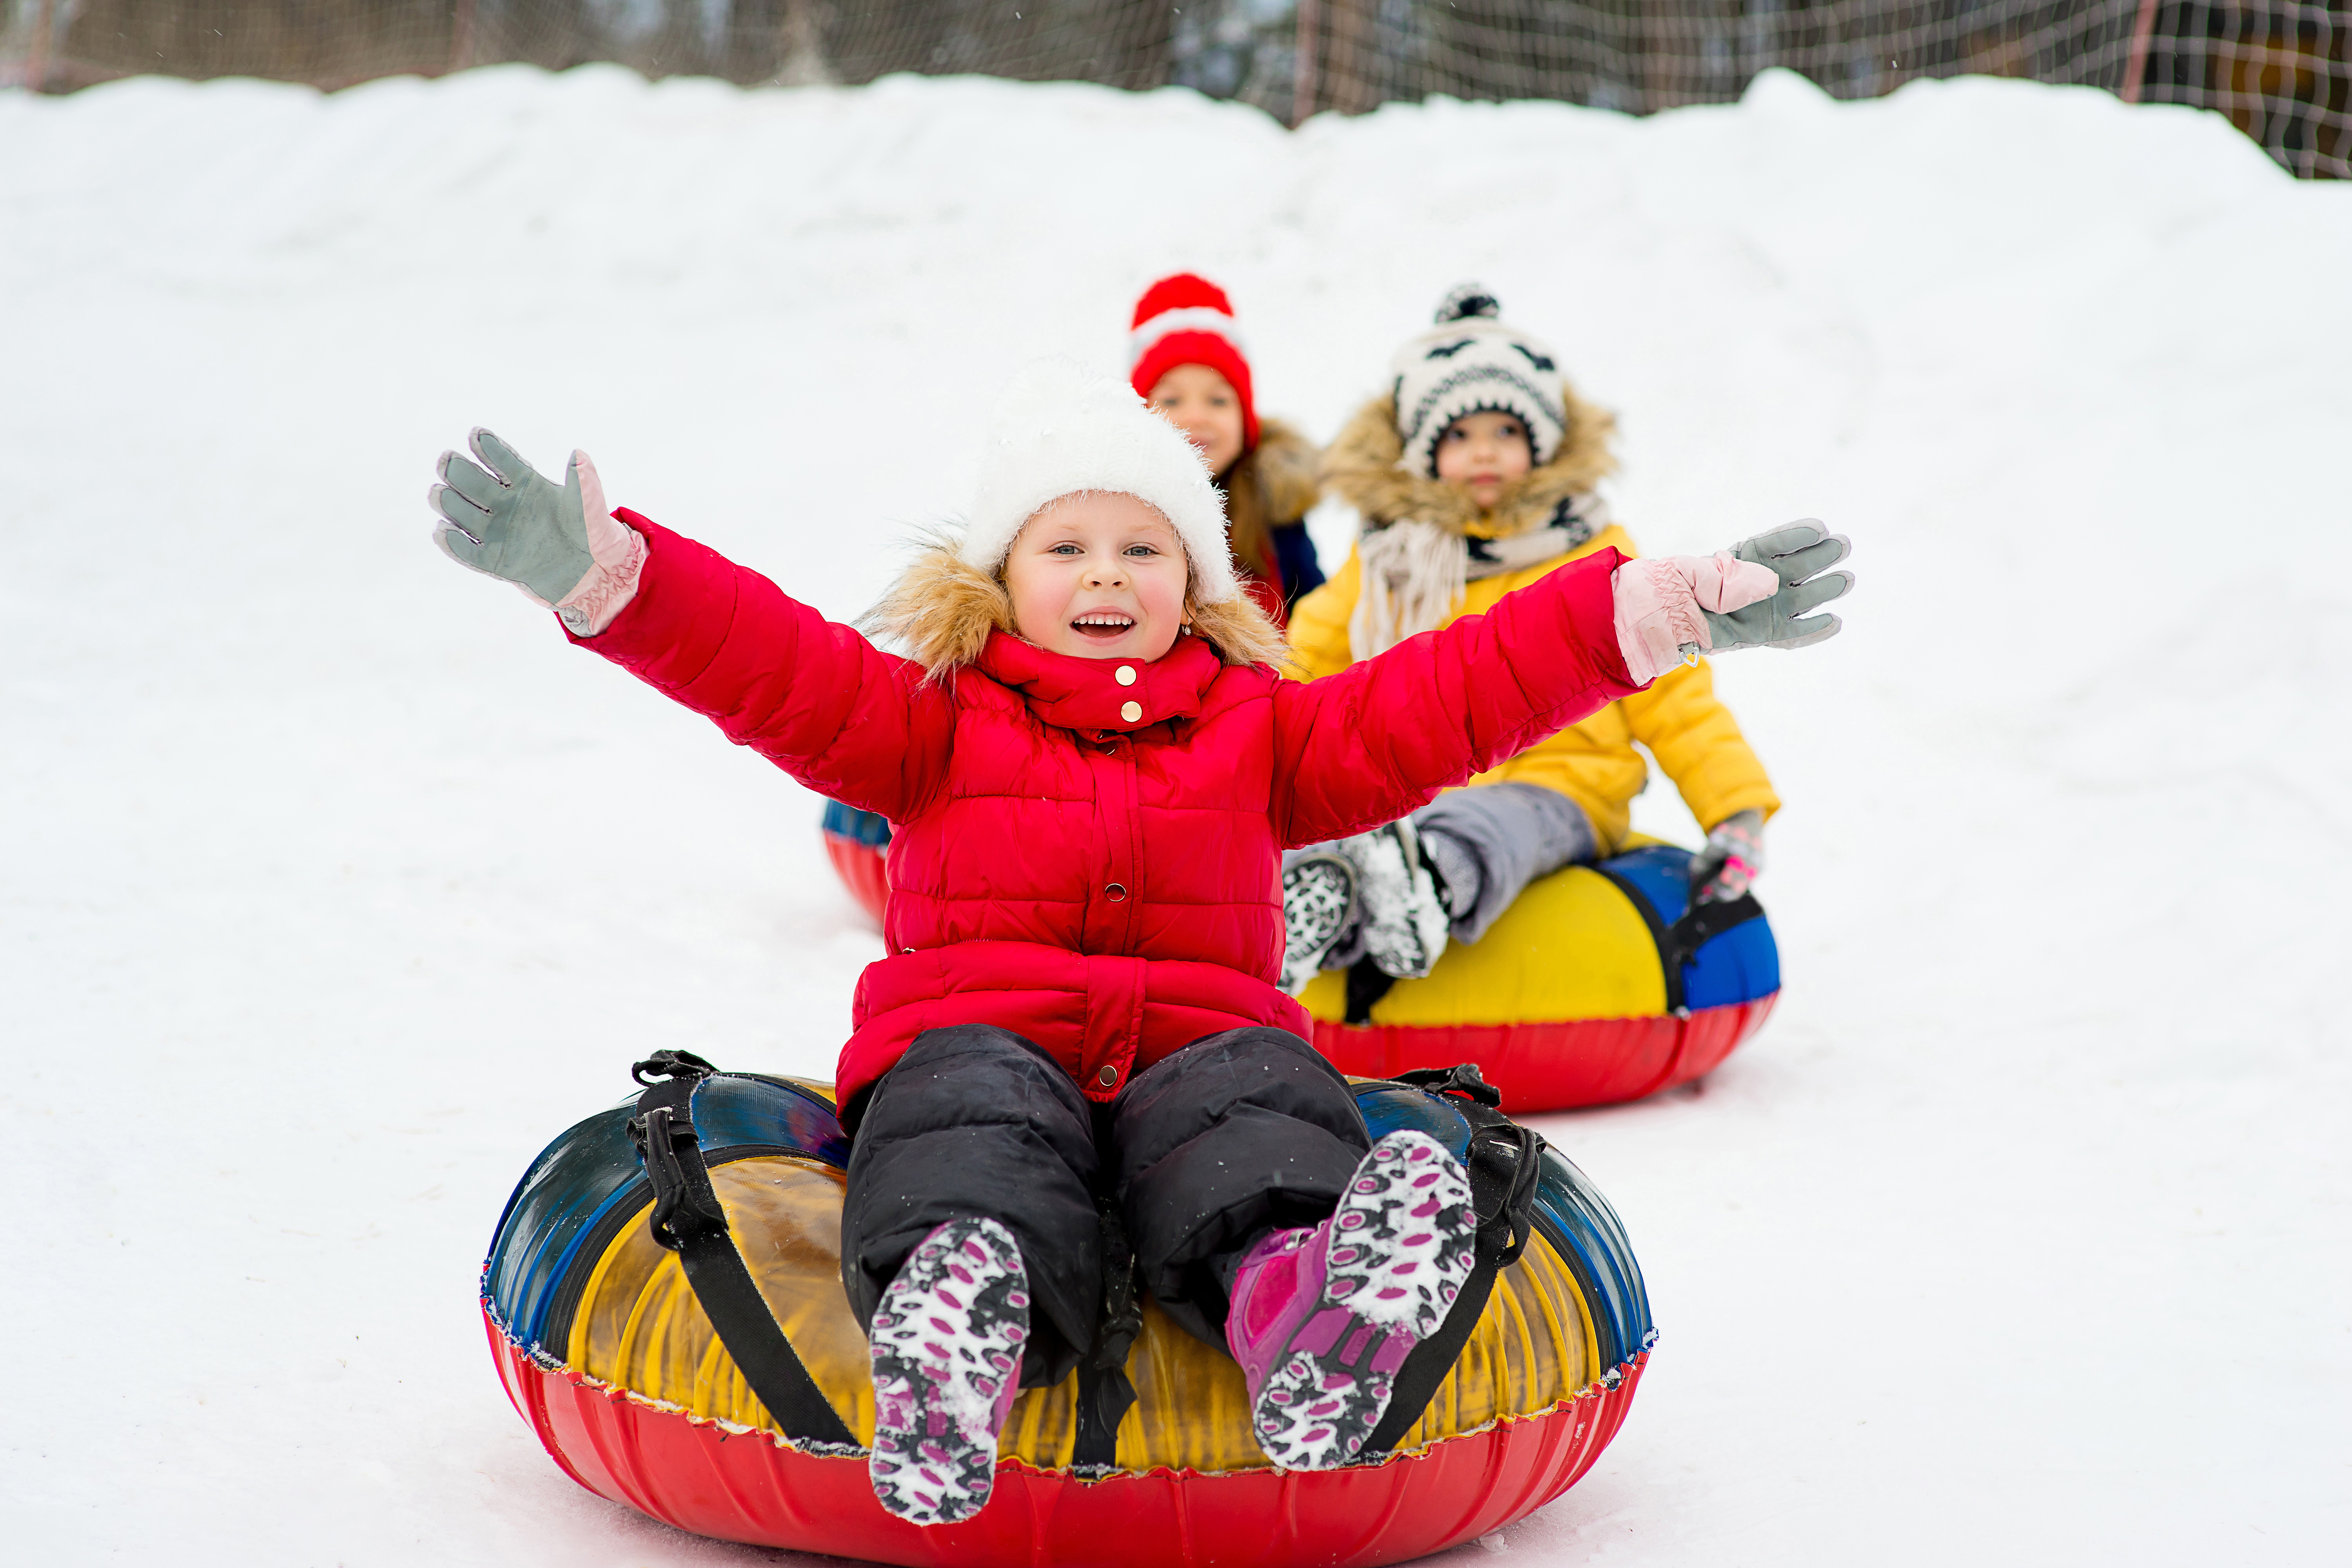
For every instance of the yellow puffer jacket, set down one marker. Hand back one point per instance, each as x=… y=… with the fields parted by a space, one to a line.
x=1693 y=735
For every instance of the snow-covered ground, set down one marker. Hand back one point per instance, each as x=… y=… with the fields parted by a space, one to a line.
x=334 y=883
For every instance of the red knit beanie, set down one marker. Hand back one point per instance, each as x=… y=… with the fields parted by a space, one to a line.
x=1187 y=320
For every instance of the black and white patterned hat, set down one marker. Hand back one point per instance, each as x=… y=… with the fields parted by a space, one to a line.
x=1471 y=363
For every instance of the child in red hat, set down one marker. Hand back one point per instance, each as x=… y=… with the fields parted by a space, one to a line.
x=1185 y=358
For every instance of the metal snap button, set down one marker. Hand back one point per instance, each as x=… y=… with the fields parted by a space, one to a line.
x=1131 y=712
x=1107 y=1077
x=1124 y=674
x=1116 y=892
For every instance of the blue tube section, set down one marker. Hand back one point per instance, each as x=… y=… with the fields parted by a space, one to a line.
x=1741 y=965
x=866 y=827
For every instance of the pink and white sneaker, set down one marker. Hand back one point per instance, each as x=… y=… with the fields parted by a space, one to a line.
x=1322 y=1318
x=947 y=1342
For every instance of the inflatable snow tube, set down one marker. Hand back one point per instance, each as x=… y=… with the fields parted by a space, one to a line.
x=607 y=1349
x=854 y=842
x=1600 y=983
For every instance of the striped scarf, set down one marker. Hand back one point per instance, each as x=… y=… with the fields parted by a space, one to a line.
x=1414 y=573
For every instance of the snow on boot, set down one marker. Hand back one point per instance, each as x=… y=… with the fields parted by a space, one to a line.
x=1322 y=1318
x=947 y=1342
x=1319 y=904
x=1405 y=918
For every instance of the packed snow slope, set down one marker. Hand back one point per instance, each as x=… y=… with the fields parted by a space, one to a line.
x=336 y=883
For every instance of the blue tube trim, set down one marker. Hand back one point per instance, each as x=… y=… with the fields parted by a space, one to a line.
x=869 y=829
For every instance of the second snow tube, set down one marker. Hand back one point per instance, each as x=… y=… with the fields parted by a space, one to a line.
x=1600 y=984
x=854 y=841
x=607 y=1351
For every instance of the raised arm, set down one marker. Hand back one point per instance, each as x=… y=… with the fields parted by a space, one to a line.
x=811 y=696
x=1374 y=741
x=1380 y=738
x=815 y=699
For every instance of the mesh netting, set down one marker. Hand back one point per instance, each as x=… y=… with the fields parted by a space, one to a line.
x=2279 y=70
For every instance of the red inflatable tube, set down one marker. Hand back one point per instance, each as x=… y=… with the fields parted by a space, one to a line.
x=746 y=1487
x=1555 y=1066
x=859 y=867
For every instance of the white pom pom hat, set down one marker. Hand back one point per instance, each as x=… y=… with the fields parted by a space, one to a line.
x=1470 y=362
x=1058 y=429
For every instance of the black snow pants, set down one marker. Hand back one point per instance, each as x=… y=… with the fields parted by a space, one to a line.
x=1203 y=1152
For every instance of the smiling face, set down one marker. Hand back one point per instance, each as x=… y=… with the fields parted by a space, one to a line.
x=1098 y=574
x=1483 y=452
x=1203 y=405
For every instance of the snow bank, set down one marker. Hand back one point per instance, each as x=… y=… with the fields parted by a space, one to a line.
x=336 y=883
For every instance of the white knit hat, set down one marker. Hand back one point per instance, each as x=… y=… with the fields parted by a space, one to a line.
x=1056 y=430
x=1472 y=364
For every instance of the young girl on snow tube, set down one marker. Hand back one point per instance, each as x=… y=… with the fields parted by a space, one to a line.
x=1476 y=476
x=1184 y=355
x=1094 y=768
x=1185 y=358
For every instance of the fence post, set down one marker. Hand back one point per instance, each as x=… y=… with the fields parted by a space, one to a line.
x=1355 y=56
x=2135 y=68
x=461 y=37
x=1302 y=77
x=801 y=53
x=37 y=59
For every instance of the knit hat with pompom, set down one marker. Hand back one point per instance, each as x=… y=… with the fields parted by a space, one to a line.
x=1187 y=320
x=1470 y=362
x=1058 y=429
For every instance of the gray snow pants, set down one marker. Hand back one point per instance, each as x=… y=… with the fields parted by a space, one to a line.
x=1486 y=843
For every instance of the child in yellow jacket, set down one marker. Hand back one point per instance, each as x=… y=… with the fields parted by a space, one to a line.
x=1476 y=475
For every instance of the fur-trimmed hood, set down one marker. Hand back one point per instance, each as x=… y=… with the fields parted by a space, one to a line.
x=1270 y=487
x=942 y=610
x=1360 y=468
x=1285 y=464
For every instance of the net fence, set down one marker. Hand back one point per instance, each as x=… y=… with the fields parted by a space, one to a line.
x=2281 y=70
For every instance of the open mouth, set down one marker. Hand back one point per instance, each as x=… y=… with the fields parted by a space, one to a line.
x=1103 y=626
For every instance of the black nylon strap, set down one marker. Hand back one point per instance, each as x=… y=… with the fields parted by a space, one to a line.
x=688 y=1220
x=1669 y=956
x=1366 y=986
x=1702 y=923
x=1105 y=1394
x=1503 y=1165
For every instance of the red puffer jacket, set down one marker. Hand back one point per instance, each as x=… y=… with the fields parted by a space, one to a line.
x=1087 y=852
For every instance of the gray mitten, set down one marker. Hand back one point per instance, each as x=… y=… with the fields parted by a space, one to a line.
x=562 y=547
x=1801 y=554
x=505 y=520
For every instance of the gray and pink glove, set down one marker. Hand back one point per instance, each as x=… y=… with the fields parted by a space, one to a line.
x=1733 y=856
x=564 y=548
x=1757 y=593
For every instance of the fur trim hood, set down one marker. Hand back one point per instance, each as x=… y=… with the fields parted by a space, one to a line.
x=1360 y=468
x=1285 y=463
x=1269 y=487
x=942 y=610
